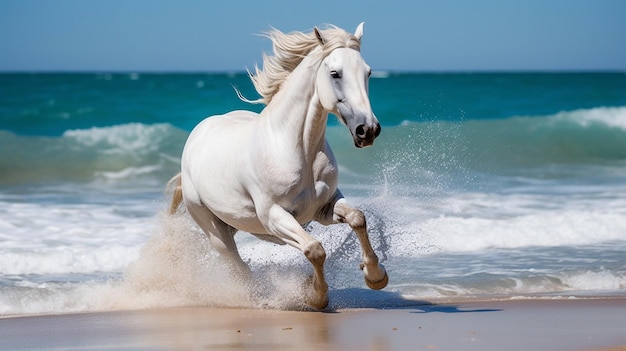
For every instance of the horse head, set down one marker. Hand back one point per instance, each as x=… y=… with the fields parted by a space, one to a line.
x=342 y=88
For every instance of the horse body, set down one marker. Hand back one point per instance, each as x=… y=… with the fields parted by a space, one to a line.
x=269 y=173
x=271 y=165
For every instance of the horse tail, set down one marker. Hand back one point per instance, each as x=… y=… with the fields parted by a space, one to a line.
x=174 y=187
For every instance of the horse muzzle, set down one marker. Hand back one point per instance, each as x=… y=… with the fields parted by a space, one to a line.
x=364 y=134
x=363 y=126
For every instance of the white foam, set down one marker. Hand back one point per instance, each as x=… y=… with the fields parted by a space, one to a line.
x=130 y=172
x=542 y=229
x=132 y=138
x=594 y=281
x=68 y=260
x=464 y=222
x=562 y=284
x=614 y=117
x=44 y=238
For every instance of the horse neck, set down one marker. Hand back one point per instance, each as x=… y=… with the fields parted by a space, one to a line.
x=296 y=113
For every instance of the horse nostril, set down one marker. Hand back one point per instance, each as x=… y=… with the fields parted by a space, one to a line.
x=360 y=131
x=377 y=131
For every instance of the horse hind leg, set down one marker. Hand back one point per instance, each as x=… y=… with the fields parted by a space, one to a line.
x=222 y=237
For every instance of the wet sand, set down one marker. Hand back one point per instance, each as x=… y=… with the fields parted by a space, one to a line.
x=534 y=324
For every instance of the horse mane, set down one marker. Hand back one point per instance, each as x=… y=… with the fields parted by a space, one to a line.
x=289 y=51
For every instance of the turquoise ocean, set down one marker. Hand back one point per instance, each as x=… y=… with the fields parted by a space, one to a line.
x=481 y=185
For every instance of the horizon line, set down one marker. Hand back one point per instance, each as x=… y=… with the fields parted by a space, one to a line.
x=380 y=73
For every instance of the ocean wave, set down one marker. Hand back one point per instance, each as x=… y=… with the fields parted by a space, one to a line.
x=179 y=268
x=86 y=260
x=56 y=237
x=422 y=150
x=406 y=229
x=134 y=139
x=94 y=258
x=571 y=284
x=573 y=137
x=174 y=288
x=457 y=234
x=116 y=153
x=412 y=150
x=611 y=117
x=67 y=239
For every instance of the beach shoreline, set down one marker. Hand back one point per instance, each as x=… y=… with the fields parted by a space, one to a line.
x=590 y=323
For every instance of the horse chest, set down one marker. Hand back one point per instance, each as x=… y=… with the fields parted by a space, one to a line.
x=310 y=190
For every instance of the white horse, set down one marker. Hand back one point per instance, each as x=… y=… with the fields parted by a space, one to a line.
x=269 y=173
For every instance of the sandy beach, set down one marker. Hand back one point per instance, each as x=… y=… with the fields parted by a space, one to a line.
x=530 y=324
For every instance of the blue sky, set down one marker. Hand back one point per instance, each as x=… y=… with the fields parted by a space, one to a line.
x=410 y=35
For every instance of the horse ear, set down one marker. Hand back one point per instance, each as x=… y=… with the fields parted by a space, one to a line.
x=358 y=33
x=318 y=35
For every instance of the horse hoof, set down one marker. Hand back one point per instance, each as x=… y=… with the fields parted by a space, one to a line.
x=377 y=285
x=318 y=305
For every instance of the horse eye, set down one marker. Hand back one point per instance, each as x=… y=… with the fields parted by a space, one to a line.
x=335 y=74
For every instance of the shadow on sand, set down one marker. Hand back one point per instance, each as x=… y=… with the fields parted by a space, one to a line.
x=365 y=298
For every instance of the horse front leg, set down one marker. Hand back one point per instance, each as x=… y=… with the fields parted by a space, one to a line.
x=375 y=275
x=282 y=224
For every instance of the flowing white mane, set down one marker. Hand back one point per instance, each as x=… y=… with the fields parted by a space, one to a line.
x=289 y=50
